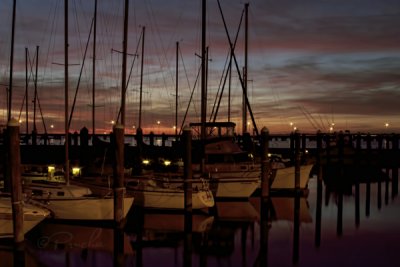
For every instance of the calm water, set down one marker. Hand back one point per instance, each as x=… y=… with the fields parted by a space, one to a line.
x=295 y=232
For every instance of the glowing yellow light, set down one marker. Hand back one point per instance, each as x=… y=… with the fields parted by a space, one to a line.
x=112 y=122
x=146 y=162
x=76 y=171
x=167 y=162
x=51 y=169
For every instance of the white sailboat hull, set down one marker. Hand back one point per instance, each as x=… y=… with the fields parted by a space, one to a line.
x=172 y=199
x=87 y=208
x=285 y=177
x=32 y=216
x=75 y=202
x=233 y=180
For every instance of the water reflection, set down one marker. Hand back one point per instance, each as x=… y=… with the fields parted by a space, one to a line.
x=350 y=223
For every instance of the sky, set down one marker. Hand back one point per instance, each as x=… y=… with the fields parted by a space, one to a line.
x=312 y=64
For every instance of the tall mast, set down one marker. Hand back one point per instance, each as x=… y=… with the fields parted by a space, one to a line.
x=35 y=94
x=176 y=88
x=10 y=85
x=244 y=119
x=203 y=74
x=26 y=91
x=141 y=80
x=94 y=71
x=125 y=44
x=66 y=174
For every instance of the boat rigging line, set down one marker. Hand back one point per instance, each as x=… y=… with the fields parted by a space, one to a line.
x=213 y=115
x=238 y=71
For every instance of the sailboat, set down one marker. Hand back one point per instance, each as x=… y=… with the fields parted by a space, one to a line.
x=235 y=171
x=32 y=215
x=68 y=201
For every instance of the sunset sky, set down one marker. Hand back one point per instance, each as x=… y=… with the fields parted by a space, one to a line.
x=312 y=63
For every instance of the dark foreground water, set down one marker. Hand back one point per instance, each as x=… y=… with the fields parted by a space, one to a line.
x=358 y=228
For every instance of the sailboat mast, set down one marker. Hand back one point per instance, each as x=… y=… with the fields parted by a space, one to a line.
x=35 y=94
x=94 y=71
x=26 y=92
x=244 y=119
x=124 y=54
x=66 y=126
x=203 y=74
x=176 y=88
x=10 y=82
x=141 y=80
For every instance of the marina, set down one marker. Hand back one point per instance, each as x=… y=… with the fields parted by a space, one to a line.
x=344 y=219
x=278 y=153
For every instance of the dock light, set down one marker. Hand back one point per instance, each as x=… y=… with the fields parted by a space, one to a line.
x=167 y=162
x=76 y=171
x=146 y=162
x=51 y=169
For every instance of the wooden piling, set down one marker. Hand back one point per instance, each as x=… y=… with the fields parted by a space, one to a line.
x=187 y=159
x=6 y=169
x=380 y=149
x=303 y=144
x=265 y=164
x=188 y=173
x=387 y=146
x=137 y=164
x=118 y=185
x=292 y=147
x=368 y=140
x=14 y=162
x=395 y=170
x=297 y=156
x=318 y=213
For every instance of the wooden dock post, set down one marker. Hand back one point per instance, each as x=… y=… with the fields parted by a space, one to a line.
x=380 y=149
x=395 y=170
x=119 y=193
x=265 y=164
x=137 y=159
x=303 y=144
x=151 y=138
x=318 y=213
x=368 y=183
x=292 y=146
x=118 y=185
x=187 y=159
x=297 y=157
x=14 y=162
x=387 y=146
